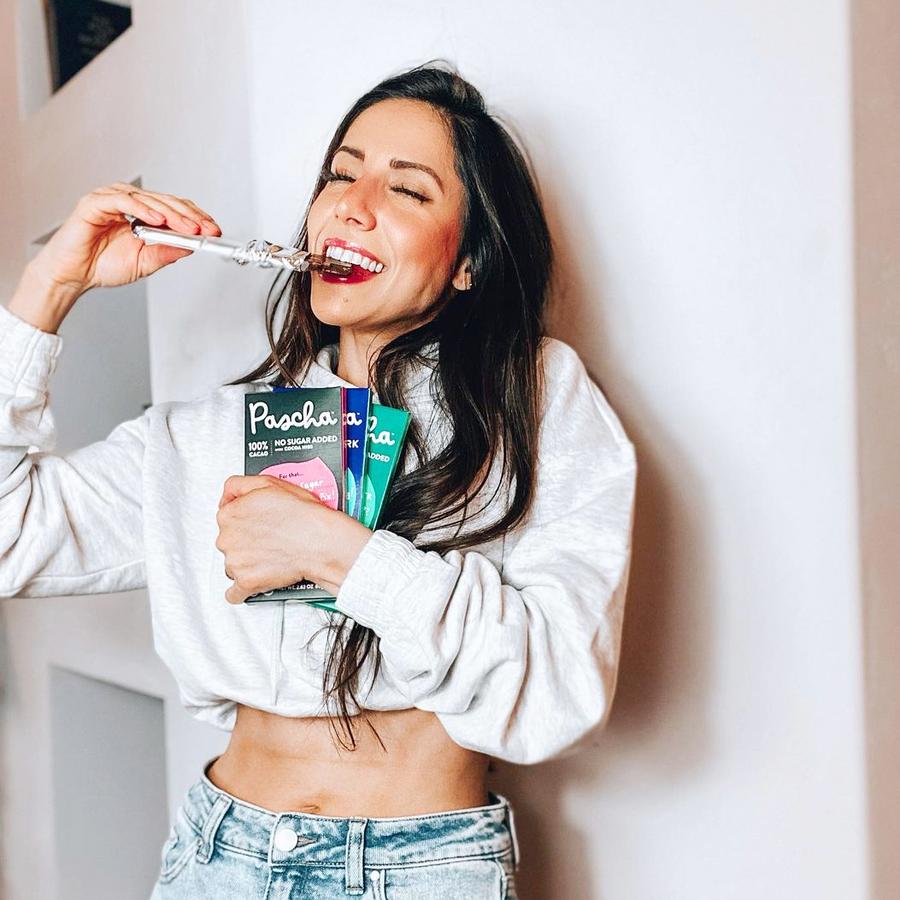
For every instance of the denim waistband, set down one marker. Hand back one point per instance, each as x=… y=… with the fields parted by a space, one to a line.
x=288 y=838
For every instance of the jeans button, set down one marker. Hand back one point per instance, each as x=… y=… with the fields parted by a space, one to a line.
x=286 y=839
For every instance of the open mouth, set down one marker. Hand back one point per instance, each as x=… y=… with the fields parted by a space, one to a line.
x=345 y=254
x=365 y=265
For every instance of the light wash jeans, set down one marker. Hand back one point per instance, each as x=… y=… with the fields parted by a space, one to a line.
x=222 y=848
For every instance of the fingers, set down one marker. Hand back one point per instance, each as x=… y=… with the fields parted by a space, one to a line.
x=237 y=485
x=176 y=210
x=159 y=255
x=102 y=208
x=235 y=595
x=192 y=210
x=176 y=213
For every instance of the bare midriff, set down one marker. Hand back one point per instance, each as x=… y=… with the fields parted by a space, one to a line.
x=296 y=765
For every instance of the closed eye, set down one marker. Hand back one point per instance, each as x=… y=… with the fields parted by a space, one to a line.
x=400 y=189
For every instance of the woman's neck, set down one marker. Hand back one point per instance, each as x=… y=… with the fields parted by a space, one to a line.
x=355 y=351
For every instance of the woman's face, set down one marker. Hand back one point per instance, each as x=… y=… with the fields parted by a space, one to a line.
x=394 y=197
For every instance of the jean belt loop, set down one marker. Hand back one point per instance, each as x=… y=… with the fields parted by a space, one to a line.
x=211 y=826
x=512 y=830
x=353 y=869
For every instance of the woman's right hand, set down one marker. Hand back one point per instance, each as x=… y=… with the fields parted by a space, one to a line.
x=94 y=247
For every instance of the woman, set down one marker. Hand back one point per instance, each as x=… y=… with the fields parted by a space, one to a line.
x=482 y=619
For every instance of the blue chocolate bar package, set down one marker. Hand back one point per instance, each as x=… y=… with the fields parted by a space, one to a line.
x=356 y=415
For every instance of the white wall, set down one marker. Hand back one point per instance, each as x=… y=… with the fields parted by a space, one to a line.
x=695 y=159
x=165 y=102
x=697 y=169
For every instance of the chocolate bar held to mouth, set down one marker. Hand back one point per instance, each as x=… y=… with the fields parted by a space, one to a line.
x=257 y=252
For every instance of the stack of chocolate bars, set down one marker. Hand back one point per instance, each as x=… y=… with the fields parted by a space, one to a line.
x=333 y=441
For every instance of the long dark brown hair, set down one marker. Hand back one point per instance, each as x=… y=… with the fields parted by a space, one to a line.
x=487 y=379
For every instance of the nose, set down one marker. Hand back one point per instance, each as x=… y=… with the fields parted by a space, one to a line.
x=355 y=204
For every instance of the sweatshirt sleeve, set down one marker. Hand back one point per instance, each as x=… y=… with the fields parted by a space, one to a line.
x=518 y=665
x=69 y=524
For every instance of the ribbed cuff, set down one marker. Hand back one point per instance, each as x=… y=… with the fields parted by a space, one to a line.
x=28 y=355
x=376 y=590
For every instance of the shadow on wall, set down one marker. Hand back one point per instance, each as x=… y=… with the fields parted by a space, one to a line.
x=657 y=732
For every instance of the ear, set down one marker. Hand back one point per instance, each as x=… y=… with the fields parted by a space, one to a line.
x=462 y=280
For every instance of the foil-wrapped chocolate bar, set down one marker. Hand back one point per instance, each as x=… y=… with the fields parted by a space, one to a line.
x=256 y=252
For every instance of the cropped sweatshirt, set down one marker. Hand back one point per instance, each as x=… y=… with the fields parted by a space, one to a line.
x=513 y=644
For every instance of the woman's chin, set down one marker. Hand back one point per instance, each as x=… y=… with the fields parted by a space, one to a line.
x=336 y=312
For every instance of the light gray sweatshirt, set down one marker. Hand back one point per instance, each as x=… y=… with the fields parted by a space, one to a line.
x=513 y=644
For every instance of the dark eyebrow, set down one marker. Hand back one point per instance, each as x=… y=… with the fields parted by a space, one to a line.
x=395 y=163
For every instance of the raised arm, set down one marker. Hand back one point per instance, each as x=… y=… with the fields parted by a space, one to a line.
x=73 y=524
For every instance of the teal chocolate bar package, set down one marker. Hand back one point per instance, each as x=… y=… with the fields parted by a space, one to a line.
x=298 y=436
x=386 y=434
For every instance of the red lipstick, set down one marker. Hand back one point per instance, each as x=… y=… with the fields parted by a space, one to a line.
x=358 y=273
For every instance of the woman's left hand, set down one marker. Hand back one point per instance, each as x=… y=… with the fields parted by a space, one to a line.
x=274 y=533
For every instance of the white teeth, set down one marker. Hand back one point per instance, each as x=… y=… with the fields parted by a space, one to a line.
x=351 y=256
